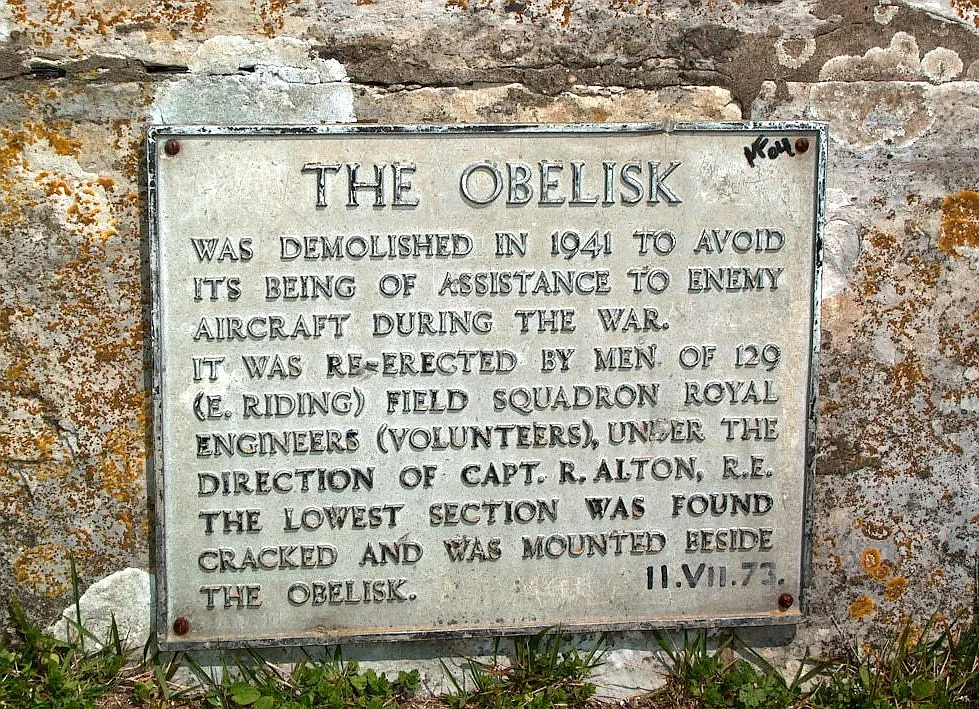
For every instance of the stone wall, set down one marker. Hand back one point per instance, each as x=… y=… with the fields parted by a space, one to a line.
x=896 y=503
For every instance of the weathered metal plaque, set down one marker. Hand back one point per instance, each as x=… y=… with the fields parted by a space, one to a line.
x=419 y=381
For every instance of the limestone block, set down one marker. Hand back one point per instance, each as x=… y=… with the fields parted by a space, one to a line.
x=516 y=104
x=895 y=491
x=261 y=98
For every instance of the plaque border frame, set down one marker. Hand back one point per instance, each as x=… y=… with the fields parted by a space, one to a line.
x=156 y=137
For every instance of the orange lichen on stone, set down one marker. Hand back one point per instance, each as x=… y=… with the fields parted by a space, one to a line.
x=895 y=588
x=66 y=21
x=71 y=348
x=560 y=11
x=959 y=341
x=960 y=222
x=873 y=563
x=270 y=12
x=967 y=10
x=54 y=134
x=120 y=474
x=870 y=559
x=873 y=530
x=867 y=421
x=44 y=568
x=907 y=374
x=861 y=607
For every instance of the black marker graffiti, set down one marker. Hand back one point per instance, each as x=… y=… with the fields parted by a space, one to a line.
x=758 y=149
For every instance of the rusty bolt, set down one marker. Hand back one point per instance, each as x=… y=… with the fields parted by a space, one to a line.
x=171 y=147
x=801 y=145
x=785 y=601
x=181 y=626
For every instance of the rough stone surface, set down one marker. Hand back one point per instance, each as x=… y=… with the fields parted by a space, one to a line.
x=896 y=504
x=124 y=598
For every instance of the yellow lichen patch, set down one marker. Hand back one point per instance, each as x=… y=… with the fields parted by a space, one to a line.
x=895 y=588
x=873 y=563
x=861 y=607
x=960 y=222
x=886 y=387
x=82 y=199
x=43 y=569
x=870 y=559
x=54 y=134
x=561 y=11
x=959 y=341
x=16 y=160
x=120 y=472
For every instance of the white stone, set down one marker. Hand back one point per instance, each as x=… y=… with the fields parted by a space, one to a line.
x=260 y=98
x=290 y=74
x=626 y=672
x=5 y=18
x=226 y=54
x=865 y=114
x=838 y=199
x=969 y=403
x=794 y=61
x=883 y=14
x=841 y=248
x=899 y=60
x=123 y=596
x=941 y=65
x=764 y=104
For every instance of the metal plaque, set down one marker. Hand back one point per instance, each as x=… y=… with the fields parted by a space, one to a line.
x=423 y=381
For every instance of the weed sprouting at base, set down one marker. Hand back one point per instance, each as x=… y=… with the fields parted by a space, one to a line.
x=540 y=674
x=249 y=681
x=931 y=667
x=46 y=673
x=934 y=666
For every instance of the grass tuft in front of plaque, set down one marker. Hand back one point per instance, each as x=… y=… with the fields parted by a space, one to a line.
x=42 y=672
x=539 y=674
x=728 y=676
x=931 y=667
x=152 y=682
x=935 y=666
x=329 y=683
